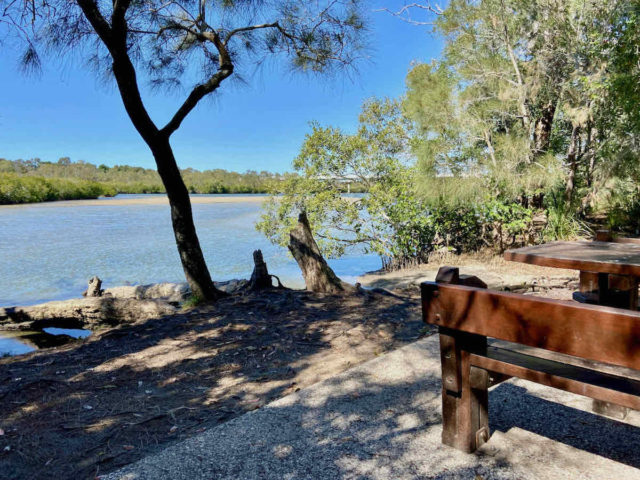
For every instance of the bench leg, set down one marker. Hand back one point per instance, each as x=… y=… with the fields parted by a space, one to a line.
x=465 y=418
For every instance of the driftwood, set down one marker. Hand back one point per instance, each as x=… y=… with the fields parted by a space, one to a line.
x=94 y=289
x=318 y=275
x=87 y=312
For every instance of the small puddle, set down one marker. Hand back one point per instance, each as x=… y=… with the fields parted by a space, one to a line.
x=17 y=343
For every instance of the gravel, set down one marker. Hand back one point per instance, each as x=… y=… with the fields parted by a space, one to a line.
x=381 y=420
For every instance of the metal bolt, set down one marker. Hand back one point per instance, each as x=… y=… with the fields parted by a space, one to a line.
x=449 y=380
x=437 y=317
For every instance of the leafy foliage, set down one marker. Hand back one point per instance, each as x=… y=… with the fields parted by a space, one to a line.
x=127 y=179
x=16 y=189
x=392 y=219
x=388 y=220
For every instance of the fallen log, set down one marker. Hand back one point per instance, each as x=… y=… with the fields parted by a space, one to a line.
x=85 y=313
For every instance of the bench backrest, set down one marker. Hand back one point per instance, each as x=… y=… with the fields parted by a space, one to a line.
x=602 y=334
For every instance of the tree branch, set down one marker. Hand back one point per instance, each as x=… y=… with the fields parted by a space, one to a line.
x=248 y=29
x=123 y=69
x=405 y=16
x=225 y=70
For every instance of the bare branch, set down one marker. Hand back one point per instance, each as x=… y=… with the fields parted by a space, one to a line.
x=405 y=12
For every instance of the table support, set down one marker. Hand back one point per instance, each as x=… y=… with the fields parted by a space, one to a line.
x=626 y=296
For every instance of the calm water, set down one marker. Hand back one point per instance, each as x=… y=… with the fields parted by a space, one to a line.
x=49 y=251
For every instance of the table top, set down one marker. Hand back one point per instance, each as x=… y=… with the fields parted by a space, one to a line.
x=601 y=257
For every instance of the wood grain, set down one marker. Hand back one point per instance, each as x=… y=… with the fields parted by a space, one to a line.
x=602 y=334
x=600 y=257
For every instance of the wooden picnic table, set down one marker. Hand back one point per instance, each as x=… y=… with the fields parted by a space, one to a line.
x=609 y=271
x=609 y=275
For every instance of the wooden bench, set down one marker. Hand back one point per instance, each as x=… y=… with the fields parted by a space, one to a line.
x=585 y=349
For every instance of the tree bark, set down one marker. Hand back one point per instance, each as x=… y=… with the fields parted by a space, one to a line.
x=193 y=263
x=260 y=278
x=542 y=130
x=94 y=289
x=318 y=276
x=572 y=161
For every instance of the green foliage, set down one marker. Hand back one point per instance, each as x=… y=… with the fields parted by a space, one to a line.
x=65 y=176
x=487 y=224
x=192 y=301
x=530 y=112
x=623 y=212
x=563 y=222
x=389 y=220
x=527 y=93
x=29 y=189
x=392 y=219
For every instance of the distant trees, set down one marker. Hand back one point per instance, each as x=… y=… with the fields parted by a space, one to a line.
x=173 y=40
x=119 y=179
x=29 y=189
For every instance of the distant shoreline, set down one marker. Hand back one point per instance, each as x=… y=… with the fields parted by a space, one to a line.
x=151 y=199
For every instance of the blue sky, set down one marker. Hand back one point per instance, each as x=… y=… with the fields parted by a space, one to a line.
x=65 y=111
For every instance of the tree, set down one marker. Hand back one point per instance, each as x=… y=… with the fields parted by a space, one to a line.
x=177 y=39
x=388 y=220
x=523 y=96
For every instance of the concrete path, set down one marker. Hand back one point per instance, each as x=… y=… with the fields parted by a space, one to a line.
x=381 y=420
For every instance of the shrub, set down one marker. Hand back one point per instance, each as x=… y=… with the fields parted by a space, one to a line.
x=30 y=189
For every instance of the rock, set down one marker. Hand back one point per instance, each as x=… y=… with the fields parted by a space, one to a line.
x=86 y=313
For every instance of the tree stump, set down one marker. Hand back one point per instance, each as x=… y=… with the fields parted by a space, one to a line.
x=94 y=289
x=318 y=276
x=260 y=277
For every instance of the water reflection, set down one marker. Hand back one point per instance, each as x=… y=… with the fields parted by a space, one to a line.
x=18 y=343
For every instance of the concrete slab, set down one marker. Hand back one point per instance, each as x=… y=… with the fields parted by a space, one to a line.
x=381 y=421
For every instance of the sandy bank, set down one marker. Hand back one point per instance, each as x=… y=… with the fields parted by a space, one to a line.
x=496 y=272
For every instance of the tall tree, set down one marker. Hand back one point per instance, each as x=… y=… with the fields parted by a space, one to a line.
x=517 y=97
x=173 y=40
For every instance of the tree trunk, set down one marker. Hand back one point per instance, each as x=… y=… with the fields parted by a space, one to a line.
x=572 y=161
x=193 y=263
x=542 y=131
x=317 y=274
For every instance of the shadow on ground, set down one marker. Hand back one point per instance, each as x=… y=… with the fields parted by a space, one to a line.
x=84 y=409
x=382 y=421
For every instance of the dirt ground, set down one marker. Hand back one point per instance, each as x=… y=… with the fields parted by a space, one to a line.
x=496 y=272
x=84 y=409
x=89 y=407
